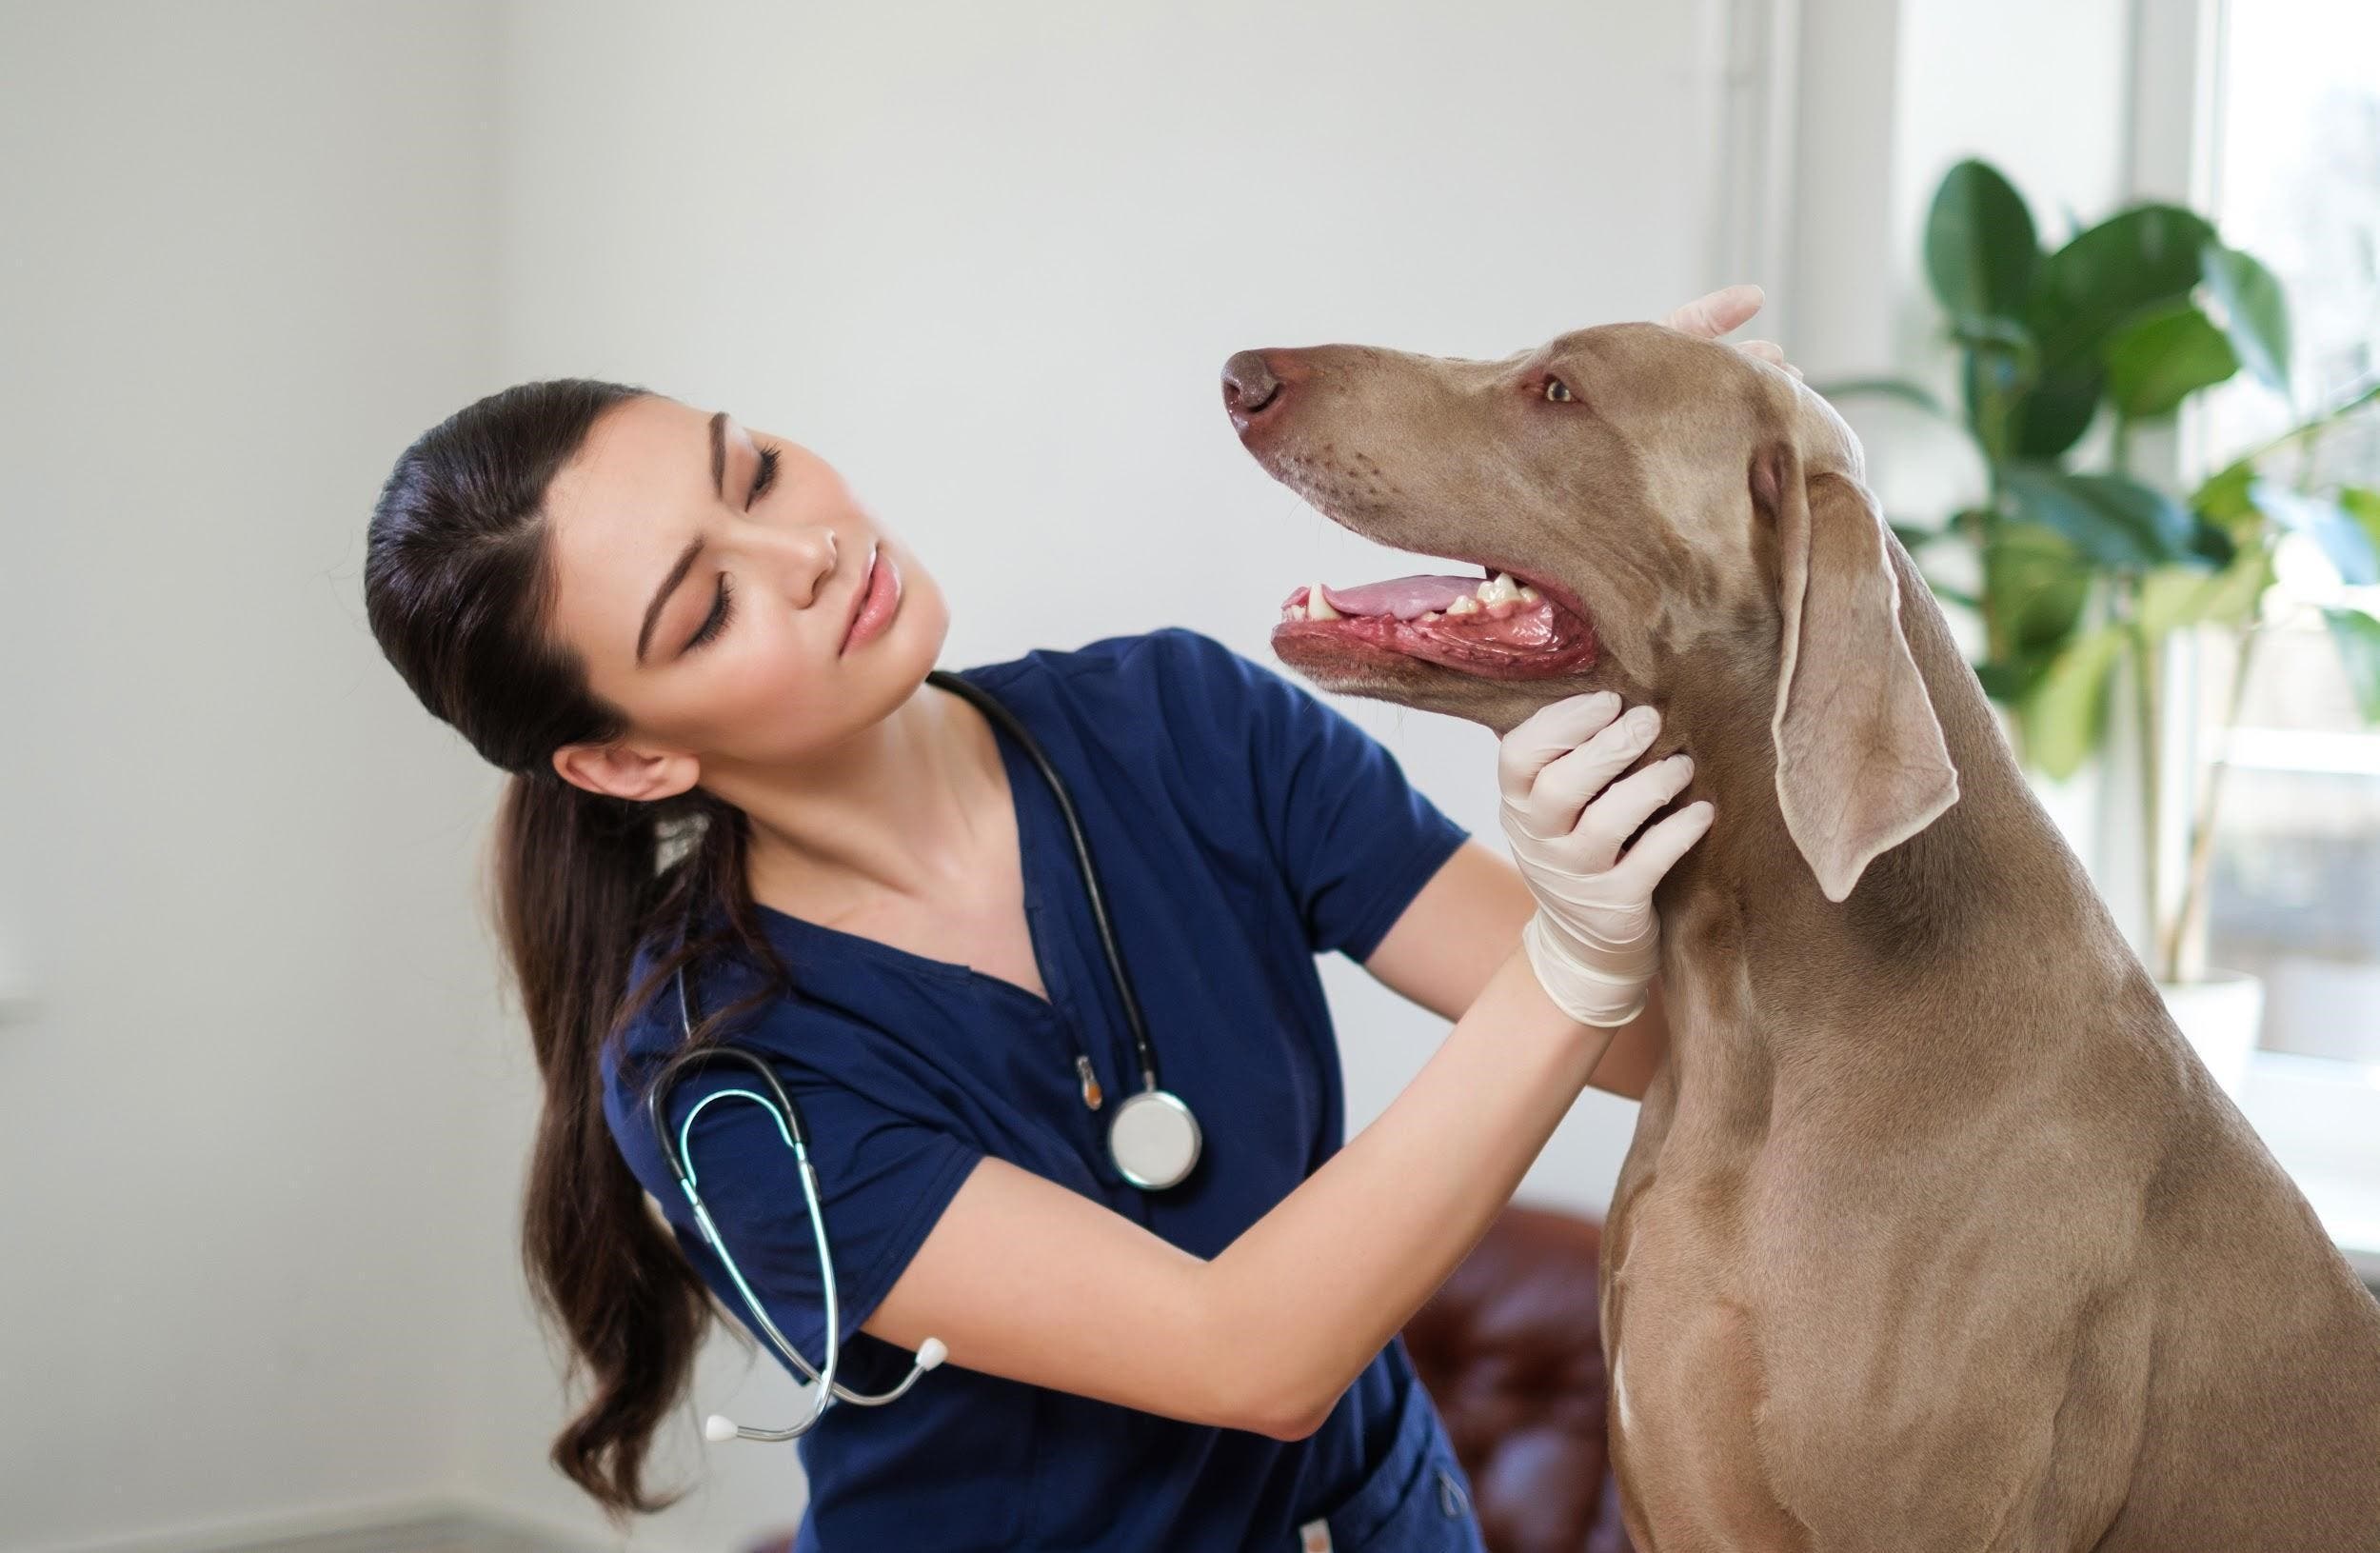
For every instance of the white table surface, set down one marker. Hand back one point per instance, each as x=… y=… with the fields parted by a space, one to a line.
x=2321 y=1119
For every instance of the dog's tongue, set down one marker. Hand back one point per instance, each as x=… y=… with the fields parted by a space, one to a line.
x=1407 y=598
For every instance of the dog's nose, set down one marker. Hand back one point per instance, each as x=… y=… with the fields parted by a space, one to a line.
x=1248 y=384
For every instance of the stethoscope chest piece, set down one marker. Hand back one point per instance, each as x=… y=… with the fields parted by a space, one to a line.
x=1153 y=1140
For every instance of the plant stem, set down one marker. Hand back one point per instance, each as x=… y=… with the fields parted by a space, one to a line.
x=2144 y=704
x=2184 y=938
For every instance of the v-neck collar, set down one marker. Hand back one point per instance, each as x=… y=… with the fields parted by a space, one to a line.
x=1020 y=772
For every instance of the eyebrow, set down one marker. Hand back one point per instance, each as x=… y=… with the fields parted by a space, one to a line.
x=694 y=546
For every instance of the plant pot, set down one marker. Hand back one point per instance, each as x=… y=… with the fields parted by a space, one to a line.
x=2219 y=1016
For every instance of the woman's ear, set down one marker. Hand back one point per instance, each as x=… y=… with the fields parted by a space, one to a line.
x=619 y=771
x=1861 y=765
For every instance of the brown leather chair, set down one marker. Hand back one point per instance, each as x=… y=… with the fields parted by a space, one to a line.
x=1511 y=1349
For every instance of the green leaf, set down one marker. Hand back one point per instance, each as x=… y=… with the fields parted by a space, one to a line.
x=2224 y=496
x=2364 y=507
x=2143 y=257
x=1980 y=248
x=2112 y=519
x=2358 y=638
x=2211 y=541
x=2009 y=682
x=2005 y=335
x=2067 y=712
x=2255 y=315
x=2161 y=358
x=2037 y=583
x=2328 y=522
x=2053 y=416
x=2234 y=595
x=2175 y=597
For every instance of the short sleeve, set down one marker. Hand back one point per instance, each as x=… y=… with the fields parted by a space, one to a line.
x=1355 y=840
x=884 y=1179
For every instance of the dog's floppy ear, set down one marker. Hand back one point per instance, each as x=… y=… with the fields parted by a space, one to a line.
x=1861 y=765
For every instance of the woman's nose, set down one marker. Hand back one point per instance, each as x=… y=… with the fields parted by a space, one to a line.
x=810 y=555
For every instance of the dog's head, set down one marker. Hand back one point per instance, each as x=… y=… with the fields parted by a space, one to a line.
x=1677 y=521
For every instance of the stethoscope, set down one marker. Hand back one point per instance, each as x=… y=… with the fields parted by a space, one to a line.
x=1153 y=1139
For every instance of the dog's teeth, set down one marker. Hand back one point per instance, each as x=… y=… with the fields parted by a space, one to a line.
x=1319 y=608
x=1464 y=605
x=1295 y=612
x=1528 y=594
x=1433 y=615
x=1497 y=588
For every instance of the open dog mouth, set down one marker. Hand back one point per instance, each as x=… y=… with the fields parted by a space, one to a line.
x=1498 y=626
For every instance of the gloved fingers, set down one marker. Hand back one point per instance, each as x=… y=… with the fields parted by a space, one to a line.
x=1627 y=804
x=1714 y=314
x=1563 y=789
x=1553 y=730
x=1660 y=849
x=1768 y=350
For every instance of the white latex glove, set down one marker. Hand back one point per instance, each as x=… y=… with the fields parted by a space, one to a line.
x=1714 y=314
x=1594 y=942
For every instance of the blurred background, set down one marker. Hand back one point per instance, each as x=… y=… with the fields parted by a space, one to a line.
x=266 y=1098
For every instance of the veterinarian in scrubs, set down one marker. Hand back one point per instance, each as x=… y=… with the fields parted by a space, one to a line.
x=692 y=646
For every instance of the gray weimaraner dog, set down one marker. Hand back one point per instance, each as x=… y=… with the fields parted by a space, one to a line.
x=1934 y=1234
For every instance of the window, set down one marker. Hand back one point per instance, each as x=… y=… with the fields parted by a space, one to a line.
x=2295 y=888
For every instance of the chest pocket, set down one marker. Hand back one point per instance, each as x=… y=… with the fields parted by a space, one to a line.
x=1417 y=1499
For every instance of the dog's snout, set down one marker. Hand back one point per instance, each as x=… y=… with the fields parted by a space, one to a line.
x=1248 y=384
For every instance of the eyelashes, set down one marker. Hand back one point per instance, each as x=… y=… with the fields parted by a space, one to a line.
x=724 y=609
x=720 y=613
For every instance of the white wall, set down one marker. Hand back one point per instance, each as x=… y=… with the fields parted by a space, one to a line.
x=246 y=261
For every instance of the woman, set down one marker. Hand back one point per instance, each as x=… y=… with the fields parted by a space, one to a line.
x=705 y=664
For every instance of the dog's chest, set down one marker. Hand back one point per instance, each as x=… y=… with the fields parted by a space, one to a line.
x=1681 y=1322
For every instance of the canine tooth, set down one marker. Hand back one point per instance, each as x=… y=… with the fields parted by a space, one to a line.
x=1319 y=608
x=1464 y=605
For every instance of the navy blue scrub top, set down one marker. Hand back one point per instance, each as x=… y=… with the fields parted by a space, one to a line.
x=1240 y=827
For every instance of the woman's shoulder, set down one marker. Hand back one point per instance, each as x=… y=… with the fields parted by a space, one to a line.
x=1166 y=650
x=1172 y=676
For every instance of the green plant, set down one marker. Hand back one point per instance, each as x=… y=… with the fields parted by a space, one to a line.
x=2083 y=574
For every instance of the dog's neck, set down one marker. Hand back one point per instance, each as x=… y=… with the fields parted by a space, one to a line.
x=1752 y=942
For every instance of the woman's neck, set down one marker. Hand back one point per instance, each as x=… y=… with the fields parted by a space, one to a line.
x=904 y=811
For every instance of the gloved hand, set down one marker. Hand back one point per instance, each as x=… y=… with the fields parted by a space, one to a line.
x=1594 y=942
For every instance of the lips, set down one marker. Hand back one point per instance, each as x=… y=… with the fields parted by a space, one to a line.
x=859 y=599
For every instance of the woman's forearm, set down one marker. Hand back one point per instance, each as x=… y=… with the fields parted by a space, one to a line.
x=1626 y=1067
x=1310 y=1293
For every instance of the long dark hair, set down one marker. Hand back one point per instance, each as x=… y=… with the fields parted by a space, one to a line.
x=458 y=585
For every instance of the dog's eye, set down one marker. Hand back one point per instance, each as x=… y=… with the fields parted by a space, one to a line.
x=1558 y=391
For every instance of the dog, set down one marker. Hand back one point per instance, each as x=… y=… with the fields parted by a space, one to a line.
x=1934 y=1233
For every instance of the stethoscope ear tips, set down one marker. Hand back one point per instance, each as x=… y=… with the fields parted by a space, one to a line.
x=719 y=1427
x=932 y=1352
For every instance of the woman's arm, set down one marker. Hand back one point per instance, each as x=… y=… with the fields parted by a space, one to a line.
x=1026 y=1278
x=1445 y=944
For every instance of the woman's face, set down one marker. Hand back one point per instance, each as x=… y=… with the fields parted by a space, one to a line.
x=719 y=617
